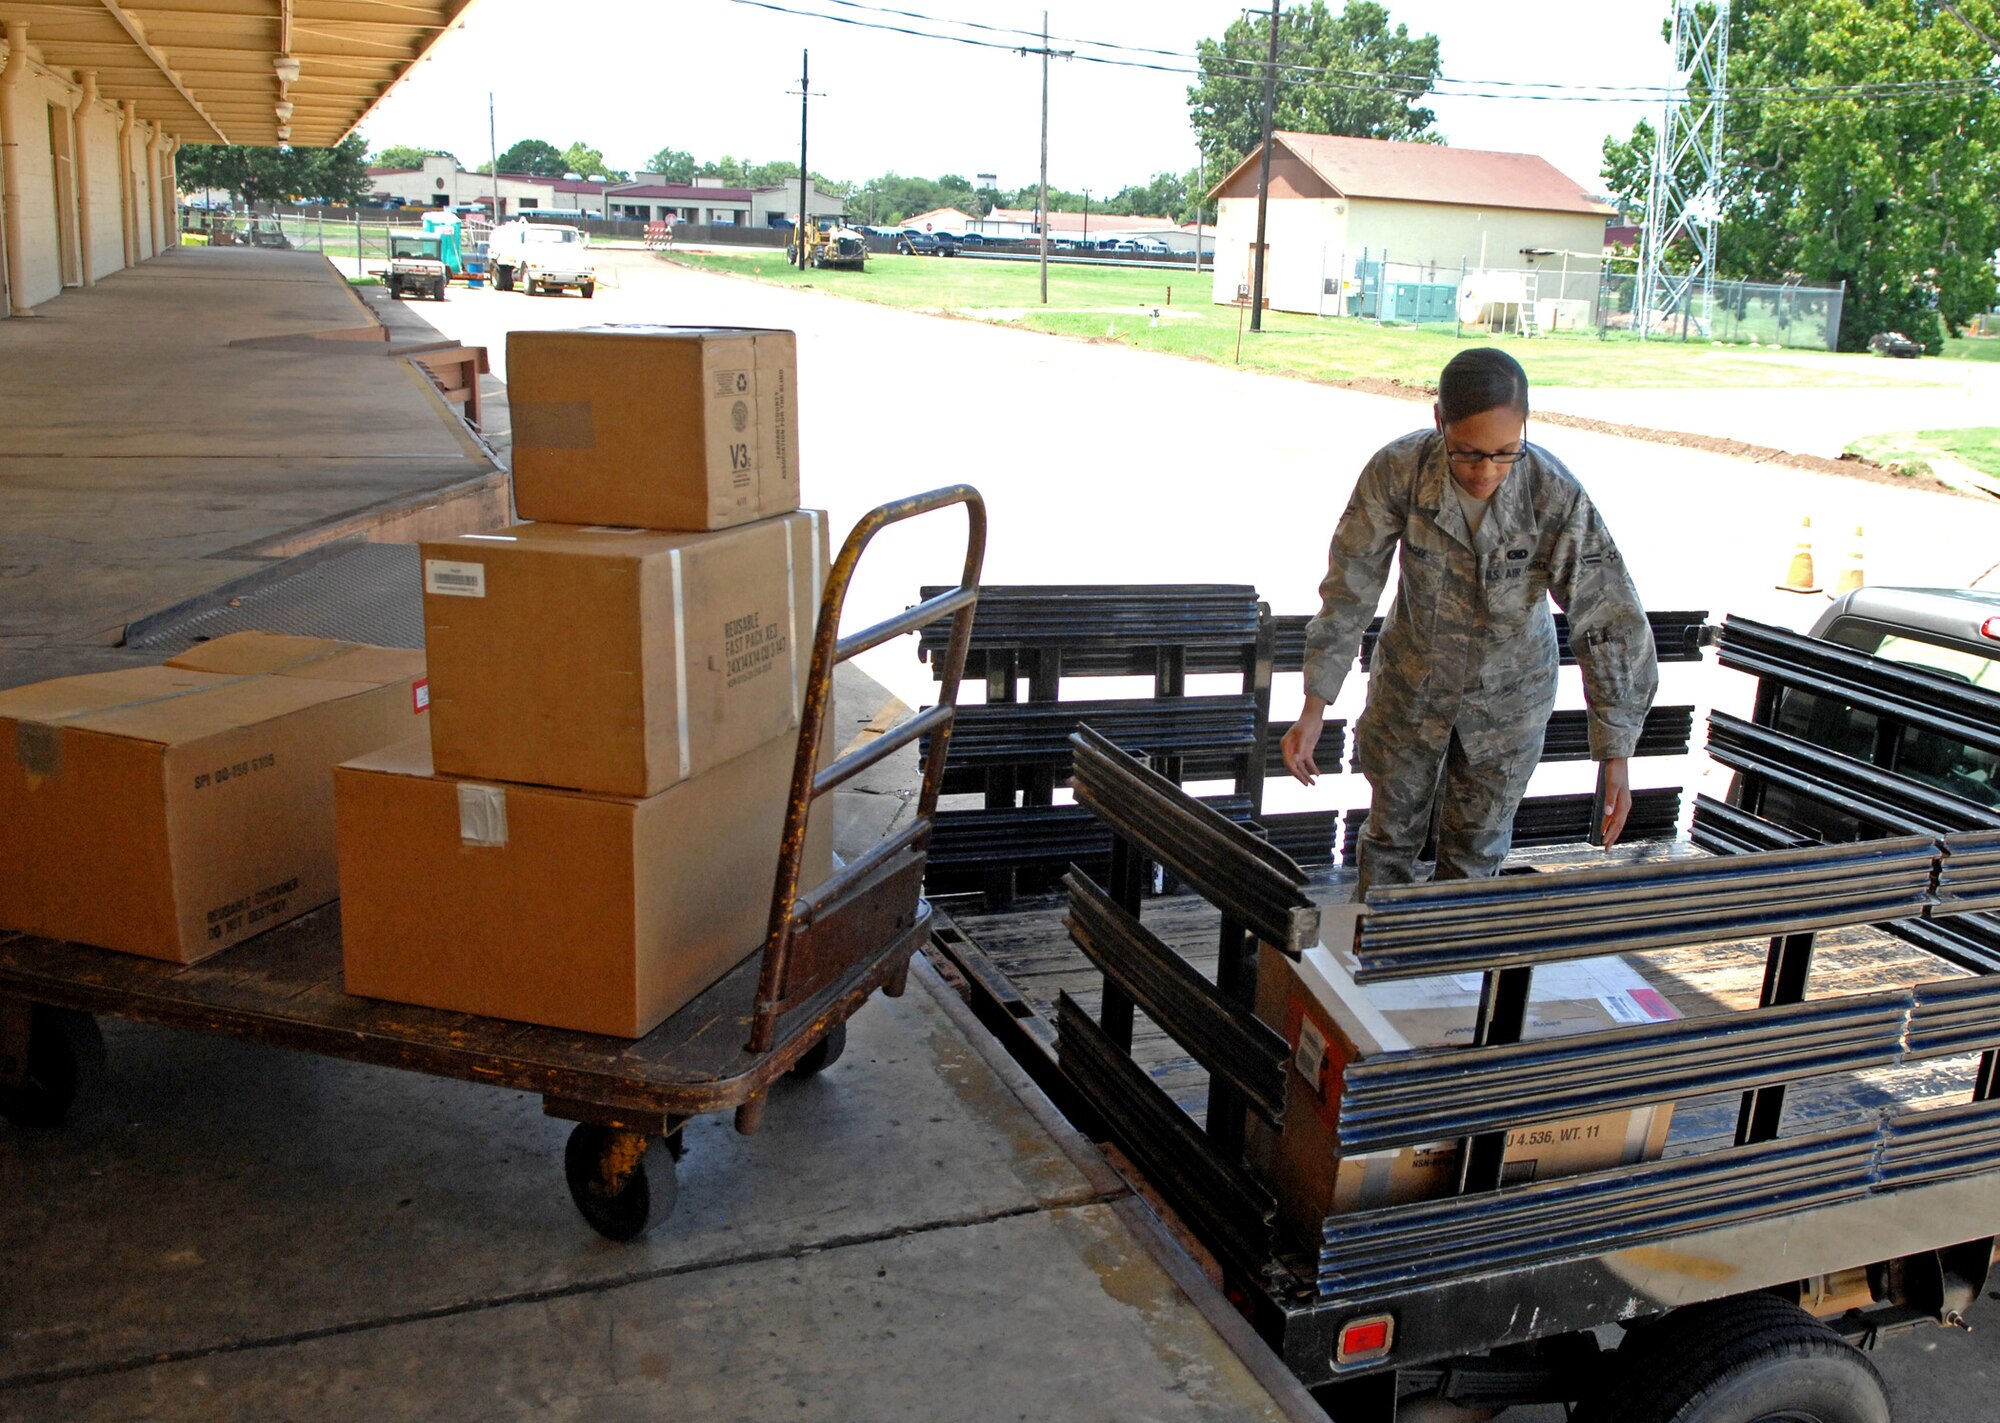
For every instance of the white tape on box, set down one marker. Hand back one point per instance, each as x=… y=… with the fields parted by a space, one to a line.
x=482 y=815
x=681 y=666
x=792 y=617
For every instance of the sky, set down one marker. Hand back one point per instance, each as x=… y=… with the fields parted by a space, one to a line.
x=712 y=77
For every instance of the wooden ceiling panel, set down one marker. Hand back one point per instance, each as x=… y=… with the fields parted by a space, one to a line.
x=203 y=68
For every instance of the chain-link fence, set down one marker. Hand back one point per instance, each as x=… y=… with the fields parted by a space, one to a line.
x=1567 y=296
x=354 y=244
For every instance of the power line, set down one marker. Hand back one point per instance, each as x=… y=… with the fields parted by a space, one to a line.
x=1372 y=81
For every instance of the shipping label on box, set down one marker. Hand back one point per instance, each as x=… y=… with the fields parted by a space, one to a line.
x=661 y=427
x=173 y=811
x=618 y=660
x=1330 y=1021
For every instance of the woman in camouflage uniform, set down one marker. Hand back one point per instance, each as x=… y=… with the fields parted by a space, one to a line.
x=1487 y=528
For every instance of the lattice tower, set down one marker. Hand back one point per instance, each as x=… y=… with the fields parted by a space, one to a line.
x=1684 y=196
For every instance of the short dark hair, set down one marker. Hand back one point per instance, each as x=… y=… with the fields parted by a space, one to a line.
x=1480 y=379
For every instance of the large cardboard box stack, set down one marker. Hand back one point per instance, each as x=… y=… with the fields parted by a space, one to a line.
x=173 y=811
x=589 y=837
x=1330 y=1021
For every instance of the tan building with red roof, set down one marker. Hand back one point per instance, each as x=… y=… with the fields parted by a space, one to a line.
x=1339 y=205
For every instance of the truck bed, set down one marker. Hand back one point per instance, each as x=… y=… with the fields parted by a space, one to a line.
x=1028 y=950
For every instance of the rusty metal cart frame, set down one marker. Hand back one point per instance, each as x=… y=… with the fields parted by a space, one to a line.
x=782 y=1011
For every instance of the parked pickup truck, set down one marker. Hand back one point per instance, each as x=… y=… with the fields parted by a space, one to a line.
x=541 y=256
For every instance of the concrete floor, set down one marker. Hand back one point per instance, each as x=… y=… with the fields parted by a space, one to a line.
x=230 y=1232
x=163 y=432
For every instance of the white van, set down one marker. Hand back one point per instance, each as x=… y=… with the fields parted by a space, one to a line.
x=541 y=256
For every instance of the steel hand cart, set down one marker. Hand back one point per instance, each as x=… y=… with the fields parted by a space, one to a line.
x=782 y=1011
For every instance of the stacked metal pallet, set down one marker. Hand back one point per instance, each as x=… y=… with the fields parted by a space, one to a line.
x=1492 y=1264
x=1509 y=926
x=1873 y=797
x=1014 y=751
x=1542 y=819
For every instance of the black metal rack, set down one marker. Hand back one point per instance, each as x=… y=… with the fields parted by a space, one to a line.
x=1493 y=1266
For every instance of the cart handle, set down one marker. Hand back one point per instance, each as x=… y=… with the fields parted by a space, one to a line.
x=829 y=649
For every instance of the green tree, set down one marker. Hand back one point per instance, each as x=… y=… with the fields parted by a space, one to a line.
x=732 y=171
x=674 y=165
x=270 y=175
x=535 y=157
x=1628 y=168
x=587 y=162
x=1887 y=191
x=891 y=198
x=768 y=175
x=403 y=155
x=1982 y=20
x=1166 y=195
x=1353 y=74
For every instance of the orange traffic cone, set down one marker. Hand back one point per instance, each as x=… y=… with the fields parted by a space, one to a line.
x=1850 y=576
x=1799 y=576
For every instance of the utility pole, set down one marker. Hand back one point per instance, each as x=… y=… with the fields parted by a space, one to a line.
x=1042 y=207
x=805 y=97
x=1264 y=175
x=493 y=142
x=1200 y=198
x=1086 y=217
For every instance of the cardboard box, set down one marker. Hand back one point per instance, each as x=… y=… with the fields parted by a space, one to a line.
x=173 y=811
x=663 y=427
x=615 y=660
x=1330 y=1021
x=598 y=913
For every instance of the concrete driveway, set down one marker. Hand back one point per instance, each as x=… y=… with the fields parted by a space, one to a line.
x=1807 y=419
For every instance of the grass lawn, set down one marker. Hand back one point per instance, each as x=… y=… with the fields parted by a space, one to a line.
x=1977 y=448
x=1116 y=303
x=1971 y=348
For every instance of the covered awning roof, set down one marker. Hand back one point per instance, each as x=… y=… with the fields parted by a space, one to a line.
x=215 y=71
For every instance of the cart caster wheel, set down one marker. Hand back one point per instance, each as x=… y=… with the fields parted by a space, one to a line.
x=609 y=1181
x=65 y=1056
x=822 y=1054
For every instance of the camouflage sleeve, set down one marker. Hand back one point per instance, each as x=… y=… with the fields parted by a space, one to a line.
x=1607 y=630
x=1357 y=566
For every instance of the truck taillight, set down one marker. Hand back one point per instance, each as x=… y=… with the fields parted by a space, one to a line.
x=1364 y=1340
x=1990 y=628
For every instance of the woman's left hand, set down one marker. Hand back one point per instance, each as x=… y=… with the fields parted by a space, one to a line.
x=1617 y=777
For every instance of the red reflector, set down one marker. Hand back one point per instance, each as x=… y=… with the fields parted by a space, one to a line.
x=1991 y=628
x=1365 y=1341
x=1364 y=1338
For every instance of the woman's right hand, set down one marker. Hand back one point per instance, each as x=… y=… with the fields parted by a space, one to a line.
x=1302 y=740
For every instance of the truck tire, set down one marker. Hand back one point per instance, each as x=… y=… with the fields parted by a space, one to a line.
x=1751 y=1359
x=587 y=290
x=503 y=279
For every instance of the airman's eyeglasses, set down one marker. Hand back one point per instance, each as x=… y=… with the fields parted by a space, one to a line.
x=1499 y=457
